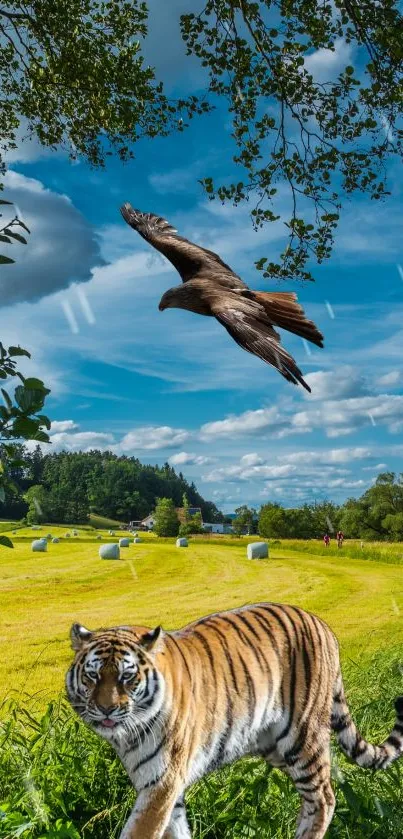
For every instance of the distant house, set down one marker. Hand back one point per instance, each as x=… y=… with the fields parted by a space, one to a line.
x=148 y=522
x=217 y=527
x=180 y=512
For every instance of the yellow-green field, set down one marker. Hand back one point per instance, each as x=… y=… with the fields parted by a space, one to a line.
x=43 y=593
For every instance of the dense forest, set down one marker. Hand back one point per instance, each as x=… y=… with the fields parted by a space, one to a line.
x=66 y=487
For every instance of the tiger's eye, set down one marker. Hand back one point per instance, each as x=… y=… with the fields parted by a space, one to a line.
x=127 y=680
x=92 y=674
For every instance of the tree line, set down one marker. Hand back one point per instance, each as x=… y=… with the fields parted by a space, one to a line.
x=66 y=487
x=377 y=515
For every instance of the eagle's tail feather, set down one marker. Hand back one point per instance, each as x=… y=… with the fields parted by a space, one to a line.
x=284 y=311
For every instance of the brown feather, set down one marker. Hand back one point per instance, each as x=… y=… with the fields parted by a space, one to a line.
x=211 y=288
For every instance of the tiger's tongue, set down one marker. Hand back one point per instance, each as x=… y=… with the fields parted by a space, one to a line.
x=108 y=723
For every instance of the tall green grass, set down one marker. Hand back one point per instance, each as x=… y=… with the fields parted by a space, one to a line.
x=59 y=780
x=373 y=551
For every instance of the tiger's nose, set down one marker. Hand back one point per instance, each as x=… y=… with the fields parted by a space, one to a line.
x=107 y=709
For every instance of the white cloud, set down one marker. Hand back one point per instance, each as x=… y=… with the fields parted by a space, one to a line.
x=186 y=458
x=330 y=456
x=62 y=246
x=67 y=435
x=336 y=384
x=150 y=437
x=250 y=422
x=62 y=425
x=245 y=473
x=389 y=379
x=252 y=459
x=334 y=418
x=378 y=467
x=80 y=441
x=325 y=64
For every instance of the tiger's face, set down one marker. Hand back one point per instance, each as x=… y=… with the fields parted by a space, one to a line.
x=113 y=682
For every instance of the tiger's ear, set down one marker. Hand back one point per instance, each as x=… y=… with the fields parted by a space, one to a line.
x=150 y=641
x=79 y=636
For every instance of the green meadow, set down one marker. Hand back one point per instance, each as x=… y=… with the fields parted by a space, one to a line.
x=58 y=780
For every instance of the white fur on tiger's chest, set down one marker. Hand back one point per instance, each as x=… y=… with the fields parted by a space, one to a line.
x=145 y=763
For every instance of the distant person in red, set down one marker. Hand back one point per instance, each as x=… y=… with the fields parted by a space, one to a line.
x=326 y=539
x=339 y=537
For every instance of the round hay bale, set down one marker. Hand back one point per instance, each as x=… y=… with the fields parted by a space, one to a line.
x=137 y=539
x=67 y=535
x=182 y=542
x=75 y=532
x=257 y=550
x=40 y=545
x=55 y=541
x=99 y=537
x=109 y=551
x=14 y=532
x=124 y=542
x=135 y=534
x=35 y=527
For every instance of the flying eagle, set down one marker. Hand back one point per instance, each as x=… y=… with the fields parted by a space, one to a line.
x=210 y=287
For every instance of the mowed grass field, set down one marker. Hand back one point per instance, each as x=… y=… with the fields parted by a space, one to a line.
x=59 y=781
x=155 y=582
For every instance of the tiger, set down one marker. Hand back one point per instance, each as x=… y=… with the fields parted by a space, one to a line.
x=261 y=680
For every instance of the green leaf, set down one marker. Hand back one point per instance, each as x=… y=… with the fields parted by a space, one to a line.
x=28 y=399
x=5 y=260
x=19 y=351
x=25 y=427
x=21 y=223
x=41 y=436
x=6 y=398
x=16 y=236
x=2 y=201
x=4 y=540
x=5 y=239
x=44 y=421
x=35 y=384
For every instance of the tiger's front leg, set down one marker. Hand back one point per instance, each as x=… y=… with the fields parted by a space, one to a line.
x=152 y=812
x=178 y=827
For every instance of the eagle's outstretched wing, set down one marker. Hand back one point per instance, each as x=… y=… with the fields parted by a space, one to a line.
x=189 y=259
x=247 y=323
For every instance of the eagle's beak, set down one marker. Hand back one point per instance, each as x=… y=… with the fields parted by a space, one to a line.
x=161 y=307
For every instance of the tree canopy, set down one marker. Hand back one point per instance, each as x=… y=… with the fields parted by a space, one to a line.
x=20 y=418
x=302 y=142
x=302 y=139
x=166 y=518
x=244 y=520
x=73 y=74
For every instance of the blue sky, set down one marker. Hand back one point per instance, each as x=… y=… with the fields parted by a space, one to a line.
x=83 y=298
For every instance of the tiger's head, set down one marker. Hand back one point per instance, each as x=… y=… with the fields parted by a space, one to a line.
x=113 y=683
